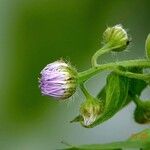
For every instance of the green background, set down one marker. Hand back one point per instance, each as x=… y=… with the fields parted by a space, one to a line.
x=34 y=33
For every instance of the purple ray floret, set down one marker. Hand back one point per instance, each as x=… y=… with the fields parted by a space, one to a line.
x=58 y=80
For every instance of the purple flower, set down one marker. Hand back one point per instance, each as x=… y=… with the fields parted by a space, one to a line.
x=58 y=80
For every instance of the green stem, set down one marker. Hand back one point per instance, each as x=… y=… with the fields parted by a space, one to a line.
x=145 y=77
x=105 y=49
x=85 y=92
x=85 y=75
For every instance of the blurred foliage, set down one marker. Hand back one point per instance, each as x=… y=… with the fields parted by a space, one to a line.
x=139 y=141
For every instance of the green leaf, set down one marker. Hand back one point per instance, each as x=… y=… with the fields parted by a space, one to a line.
x=147 y=46
x=116 y=96
x=112 y=146
x=102 y=95
x=140 y=140
x=136 y=86
x=141 y=136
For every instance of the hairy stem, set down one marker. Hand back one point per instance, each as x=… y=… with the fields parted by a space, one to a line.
x=145 y=77
x=85 y=75
x=105 y=49
x=85 y=92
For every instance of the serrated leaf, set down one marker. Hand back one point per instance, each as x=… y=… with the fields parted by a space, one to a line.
x=147 y=46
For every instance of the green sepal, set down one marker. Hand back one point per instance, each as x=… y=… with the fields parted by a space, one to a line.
x=147 y=46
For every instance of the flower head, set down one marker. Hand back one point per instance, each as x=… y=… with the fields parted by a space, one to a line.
x=58 y=80
x=90 y=110
x=116 y=36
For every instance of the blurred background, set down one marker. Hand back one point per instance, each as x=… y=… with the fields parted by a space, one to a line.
x=34 y=33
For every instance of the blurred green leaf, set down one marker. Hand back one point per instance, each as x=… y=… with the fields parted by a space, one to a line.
x=141 y=136
x=147 y=46
x=140 y=140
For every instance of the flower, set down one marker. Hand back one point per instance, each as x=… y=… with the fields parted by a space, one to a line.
x=58 y=80
x=116 y=36
x=90 y=110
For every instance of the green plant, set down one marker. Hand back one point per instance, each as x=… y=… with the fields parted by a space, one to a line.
x=124 y=84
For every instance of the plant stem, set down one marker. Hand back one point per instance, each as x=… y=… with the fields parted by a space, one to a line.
x=85 y=92
x=105 y=49
x=133 y=75
x=98 y=53
x=85 y=75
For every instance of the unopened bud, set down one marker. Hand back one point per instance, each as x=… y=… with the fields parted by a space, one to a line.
x=116 y=36
x=90 y=110
x=142 y=113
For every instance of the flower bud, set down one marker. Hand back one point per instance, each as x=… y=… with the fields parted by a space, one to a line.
x=116 y=36
x=90 y=110
x=142 y=113
x=58 y=80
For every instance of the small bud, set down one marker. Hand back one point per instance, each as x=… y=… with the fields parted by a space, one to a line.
x=142 y=113
x=58 y=80
x=116 y=36
x=90 y=110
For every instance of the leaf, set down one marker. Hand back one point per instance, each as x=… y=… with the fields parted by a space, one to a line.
x=112 y=146
x=140 y=140
x=116 y=94
x=147 y=46
x=102 y=95
x=116 y=97
x=136 y=86
x=142 y=112
x=141 y=136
